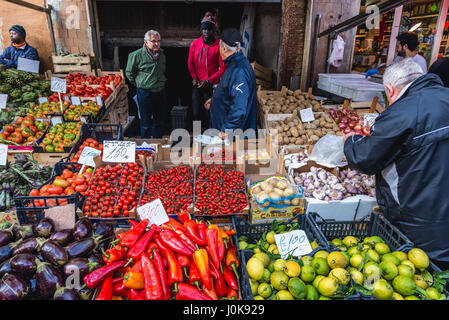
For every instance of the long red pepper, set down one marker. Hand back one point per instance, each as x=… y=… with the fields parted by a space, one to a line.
x=134 y=294
x=231 y=259
x=188 y=292
x=184 y=262
x=191 y=226
x=133 y=223
x=232 y=294
x=175 y=275
x=153 y=289
x=201 y=226
x=229 y=278
x=95 y=277
x=136 y=251
x=194 y=275
x=201 y=260
x=170 y=240
x=159 y=265
x=172 y=223
x=129 y=238
x=106 y=289
x=212 y=239
x=220 y=283
x=185 y=238
x=211 y=293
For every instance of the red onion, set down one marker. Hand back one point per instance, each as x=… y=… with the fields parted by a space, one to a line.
x=342 y=125
x=346 y=130
x=352 y=124
x=358 y=132
x=357 y=127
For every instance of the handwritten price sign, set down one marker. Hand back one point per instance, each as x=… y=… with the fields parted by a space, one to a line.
x=119 y=151
x=3 y=100
x=88 y=155
x=3 y=154
x=153 y=211
x=307 y=115
x=295 y=243
x=58 y=85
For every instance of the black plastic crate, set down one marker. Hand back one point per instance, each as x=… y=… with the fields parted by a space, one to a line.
x=179 y=116
x=371 y=225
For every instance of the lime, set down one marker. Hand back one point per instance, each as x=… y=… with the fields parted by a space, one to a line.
x=404 y=285
x=263 y=257
x=419 y=258
x=292 y=269
x=388 y=270
x=321 y=254
x=265 y=277
x=308 y=273
x=328 y=286
x=297 y=288
x=350 y=241
x=271 y=267
x=255 y=268
x=284 y=295
x=320 y=266
x=312 y=293
x=270 y=237
x=264 y=290
x=405 y=270
x=279 y=264
x=341 y=275
x=336 y=259
x=307 y=260
x=279 y=280
x=381 y=248
x=382 y=290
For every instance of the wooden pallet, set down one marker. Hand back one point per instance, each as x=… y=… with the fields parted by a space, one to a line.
x=264 y=76
x=63 y=64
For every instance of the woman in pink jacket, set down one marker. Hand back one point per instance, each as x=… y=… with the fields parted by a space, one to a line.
x=206 y=69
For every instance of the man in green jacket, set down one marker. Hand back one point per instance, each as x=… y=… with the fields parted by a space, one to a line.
x=146 y=71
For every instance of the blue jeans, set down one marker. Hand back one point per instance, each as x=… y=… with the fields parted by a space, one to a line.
x=152 y=105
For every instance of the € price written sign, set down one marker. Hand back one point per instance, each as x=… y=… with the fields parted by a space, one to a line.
x=119 y=151
x=58 y=85
x=88 y=155
x=153 y=211
x=294 y=242
x=307 y=115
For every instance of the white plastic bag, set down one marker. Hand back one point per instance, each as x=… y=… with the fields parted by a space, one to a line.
x=328 y=151
x=338 y=49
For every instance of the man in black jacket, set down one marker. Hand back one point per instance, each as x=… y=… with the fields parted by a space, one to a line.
x=408 y=151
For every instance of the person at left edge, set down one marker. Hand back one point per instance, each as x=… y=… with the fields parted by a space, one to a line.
x=146 y=70
x=234 y=102
x=19 y=48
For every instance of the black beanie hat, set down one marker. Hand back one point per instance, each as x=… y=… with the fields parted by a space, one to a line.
x=18 y=29
x=231 y=37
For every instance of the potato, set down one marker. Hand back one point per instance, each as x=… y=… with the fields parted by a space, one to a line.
x=286 y=140
x=288 y=191
x=292 y=140
x=266 y=187
x=314 y=138
x=286 y=127
x=317 y=132
x=294 y=132
x=299 y=142
x=309 y=132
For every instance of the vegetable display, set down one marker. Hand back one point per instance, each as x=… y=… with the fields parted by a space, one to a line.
x=71 y=112
x=350 y=121
x=25 y=131
x=290 y=102
x=61 y=135
x=91 y=86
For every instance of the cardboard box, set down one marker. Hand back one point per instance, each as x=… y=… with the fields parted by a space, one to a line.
x=259 y=216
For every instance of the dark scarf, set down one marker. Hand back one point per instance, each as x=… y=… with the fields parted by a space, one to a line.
x=155 y=55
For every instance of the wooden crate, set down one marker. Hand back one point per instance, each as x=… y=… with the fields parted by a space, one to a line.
x=49 y=158
x=62 y=64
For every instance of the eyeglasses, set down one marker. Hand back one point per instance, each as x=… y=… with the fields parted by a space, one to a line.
x=155 y=41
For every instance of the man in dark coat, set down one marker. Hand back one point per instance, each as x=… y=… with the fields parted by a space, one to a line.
x=441 y=68
x=19 y=48
x=408 y=151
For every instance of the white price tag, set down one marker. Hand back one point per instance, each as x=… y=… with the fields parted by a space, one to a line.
x=294 y=242
x=119 y=151
x=28 y=65
x=88 y=155
x=58 y=85
x=66 y=98
x=99 y=101
x=42 y=100
x=3 y=154
x=3 y=100
x=307 y=115
x=153 y=211
x=75 y=101
x=83 y=120
x=56 y=120
x=369 y=118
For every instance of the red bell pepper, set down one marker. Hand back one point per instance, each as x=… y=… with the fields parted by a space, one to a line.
x=220 y=283
x=170 y=240
x=159 y=265
x=191 y=226
x=136 y=251
x=230 y=279
x=212 y=244
x=129 y=238
x=106 y=289
x=188 y=292
x=153 y=289
x=232 y=294
x=175 y=275
x=95 y=277
x=184 y=262
x=194 y=275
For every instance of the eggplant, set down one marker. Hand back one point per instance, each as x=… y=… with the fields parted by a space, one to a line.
x=64 y=293
x=83 y=247
x=48 y=277
x=85 y=293
x=54 y=253
x=5 y=267
x=30 y=245
x=82 y=229
x=33 y=293
x=104 y=229
x=24 y=264
x=44 y=228
x=23 y=231
x=6 y=250
x=13 y=287
x=103 y=246
x=6 y=236
x=96 y=259
x=63 y=237
x=83 y=265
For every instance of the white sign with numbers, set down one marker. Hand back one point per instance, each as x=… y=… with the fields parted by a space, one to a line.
x=58 y=85
x=3 y=100
x=293 y=243
x=76 y=101
x=307 y=115
x=29 y=65
x=87 y=156
x=42 y=100
x=153 y=211
x=3 y=154
x=119 y=151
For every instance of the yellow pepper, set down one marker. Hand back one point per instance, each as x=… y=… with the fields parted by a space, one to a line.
x=134 y=280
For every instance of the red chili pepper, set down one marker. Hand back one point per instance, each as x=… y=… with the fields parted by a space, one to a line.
x=202 y=231
x=175 y=275
x=136 y=251
x=231 y=259
x=211 y=293
x=188 y=292
x=191 y=226
x=183 y=216
x=114 y=254
x=212 y=239
x=129 y=238
x=172 y=223
x=119 y=289
x=153 y=289
x=185 y=238
x=159 y=265
x=230 y=279
x=232 y=294
x=133 y=223
x=170 y=240
x=151 y=246
x=106 y=289
x=184 y=262
x=95 y=277
x=194 y=275
x=220 y=283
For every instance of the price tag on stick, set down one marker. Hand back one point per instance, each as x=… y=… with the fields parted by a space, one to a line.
x=3 y=100
x=42 y=100
x=153 y=211
x=307 y=115
x=87 y=156
x=119 y=151
x=58 y=85
x=294 y=242
x=3 y=154
x=76 y=101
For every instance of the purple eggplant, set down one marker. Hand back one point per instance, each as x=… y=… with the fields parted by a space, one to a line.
x=23 y=231
x=85 y=293
x=5 y=267
x=44 y=228
x=13 y=287
x=6 y=236
x=24 y=264
x=54 y=253
x=96 y=259
x=83 y=247
x=48 y=277
x=104 y=229
x=82 y=229
x=6 y=250
x=30 y=245
x=63 y=237
x=63 y=293
x=82 y=265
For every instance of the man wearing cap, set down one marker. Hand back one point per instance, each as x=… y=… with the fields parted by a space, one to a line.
x=19 y=48
x=234 y=103
x=206 y=69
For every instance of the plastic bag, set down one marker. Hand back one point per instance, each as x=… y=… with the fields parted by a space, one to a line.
x=328 y=151
x=338 y=48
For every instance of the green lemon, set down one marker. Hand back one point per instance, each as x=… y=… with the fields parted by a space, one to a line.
x=388 y=270
x=341 y=275
x=410 y=264
x=297 y=288
x=284 y=295
x=307 y=260
x=320 y=266
x=382 y=290
x=389 y=257
x=419 y=258
x=400 y=255
x=352 y=251
x=273 y=249
x=337 y=242
x=279 y=264
x=317 y=280
x=263 y=257
x=271 y=267
x=356 y=260
x=433 y=293
x=265 y=277
x=308 y=273
x=321 y=254
x=258 y=298
x=243 y=245
x=404 y=285
x=279 y=280
x=381 y=248
x=328 y=286
x=397 y=296
x=270 y=237
x=292 y=269
x=405 y=270
x=264 y=290
x=357 y=276
x=350 y=241
x=312 y=293
x=254 y=286
x=373 y=256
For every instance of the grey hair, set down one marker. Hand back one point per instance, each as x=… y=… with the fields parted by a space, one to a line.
x=151 y=32
x=402 y=73
x=229 y=48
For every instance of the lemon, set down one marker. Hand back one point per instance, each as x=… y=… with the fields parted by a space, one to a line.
x=389 y=257
x=321 y=254
x=254 y=286
x=243 y=245
x=372 y=272
x=312 y=293
x=376 y=239
x=292 y=269
x=307 y=260
x=284 y=295
x=258 y=298
x=405 y=270
x=410 y=264
x=397 y=296
x=257 y=250
x=404 y=285
x=419 y=258
x=433 y=293
x=273 y=249
x=337 y=242
x=381 y=248
x=341 y=275
x=279 y=264
x=264 y=290
x=270 y=237
x=279 y=280
x=347 y=256
x=353 y=251
x=420 y=282
x=350 y=241
x=317 y=280
x=297 y=288
x=382 y=290
x=388 y=270
x=336 y=259
x=373 y=256
x=357 y=276
x=255 y=268
x=271 y=267
x=263 y=257
x=411 y=298
x=308 y=273
x=400 y=255
x=324 y=298
x=320 y=266
x=343 y=248
x=356 y=260
x=265 y=277
x=314 y=245
x=328 y=286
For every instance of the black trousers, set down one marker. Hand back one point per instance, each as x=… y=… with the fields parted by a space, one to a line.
x=199 y=97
